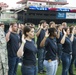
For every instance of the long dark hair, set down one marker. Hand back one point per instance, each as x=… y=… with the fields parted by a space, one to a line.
x=27 y=29
x=51 y=32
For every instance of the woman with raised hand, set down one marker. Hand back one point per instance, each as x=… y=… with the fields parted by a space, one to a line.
x=50 y=44
x=73 y=51
x=66 y=42
x=29 y=51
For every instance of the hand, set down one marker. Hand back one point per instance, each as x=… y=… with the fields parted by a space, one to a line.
x=58 y=31
x=71 y=56
x=46 y=34
x=10 y=28
x=64 y=32
x=38 y=26
x=41 y=26
x=23 y=39
x=73 y=30
x=19 y=26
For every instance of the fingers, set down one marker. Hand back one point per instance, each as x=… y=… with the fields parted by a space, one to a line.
x=23 y=39
x=41 y=26
x=46 y=34
x=10 y=28
x=64 y=32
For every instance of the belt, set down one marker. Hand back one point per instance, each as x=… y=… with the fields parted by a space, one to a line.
x=29 y=65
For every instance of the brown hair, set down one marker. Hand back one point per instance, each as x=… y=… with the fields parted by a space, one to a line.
x=42 y=21
x=52 y=22
x=27 y=29
x=71 y=29
x=51 y=32
x=12 y=24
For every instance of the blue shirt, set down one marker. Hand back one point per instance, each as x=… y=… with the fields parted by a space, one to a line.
x=40 y=38
x=67 y=46
x=13 y=44
x=29 y=53
x=51 y=48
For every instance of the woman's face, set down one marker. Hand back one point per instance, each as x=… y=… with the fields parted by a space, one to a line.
x=31 y=33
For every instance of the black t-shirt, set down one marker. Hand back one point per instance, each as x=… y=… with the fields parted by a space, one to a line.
x=51 y=48
x=40 y=38
x=67 y=46
x=13 y=45
x=29 y=53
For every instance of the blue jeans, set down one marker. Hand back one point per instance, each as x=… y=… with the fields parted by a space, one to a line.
x=71 y=65
x=59 y=52
x=66 y=61
x=13 y=64
x=28 y=70
x=40 y=59
x=51 y=67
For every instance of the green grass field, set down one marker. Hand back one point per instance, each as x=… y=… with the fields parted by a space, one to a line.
x=58 y=71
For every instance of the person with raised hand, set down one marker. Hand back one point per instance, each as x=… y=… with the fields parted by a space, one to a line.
x=59 y=35
x=13 y=41
x=66 y=42
x=73 y=32
x=20 y=51
x=40 y=35
x=50 y=44
x=29 y=52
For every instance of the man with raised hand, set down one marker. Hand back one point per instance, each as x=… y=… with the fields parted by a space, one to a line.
x=13 y=40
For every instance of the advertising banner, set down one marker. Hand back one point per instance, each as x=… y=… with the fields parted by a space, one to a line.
x=61 y=15
x=70 y=15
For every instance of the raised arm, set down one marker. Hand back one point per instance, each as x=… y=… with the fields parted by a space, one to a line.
x=72 y=36
x=63 y=38
x=38 y=33
x=42 y=44
x=8 y=34
x=20 y=51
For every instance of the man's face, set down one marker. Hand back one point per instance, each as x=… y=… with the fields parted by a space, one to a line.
x=44 y=24
x=15 y=27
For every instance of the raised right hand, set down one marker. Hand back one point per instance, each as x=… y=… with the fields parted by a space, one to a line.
x=10 y=28
x=64 y=32
x=23 y=39
x=41 y=26
x=46 y=34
